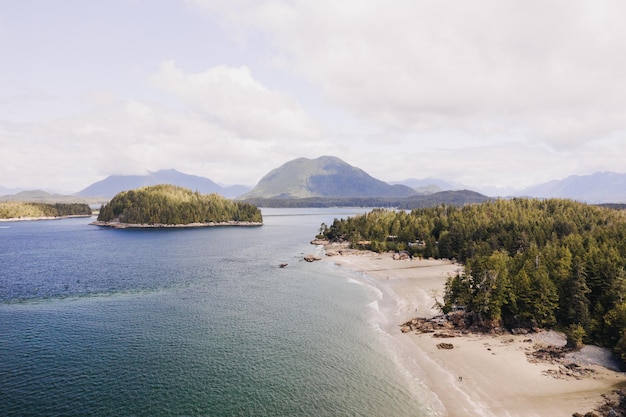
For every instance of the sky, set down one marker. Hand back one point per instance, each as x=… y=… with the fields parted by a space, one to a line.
x=488 y=93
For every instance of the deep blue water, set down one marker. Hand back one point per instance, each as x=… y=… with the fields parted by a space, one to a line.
x=192 y=322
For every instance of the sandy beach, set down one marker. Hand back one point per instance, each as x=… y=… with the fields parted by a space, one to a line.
x=482 y=375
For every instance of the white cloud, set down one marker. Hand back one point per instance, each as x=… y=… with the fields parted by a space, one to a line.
x=552 y=68
x=484 y=92
x=232 y=98
x=130 y=137
x=231 y=129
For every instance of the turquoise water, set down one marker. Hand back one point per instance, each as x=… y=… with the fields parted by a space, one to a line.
x=197 y=322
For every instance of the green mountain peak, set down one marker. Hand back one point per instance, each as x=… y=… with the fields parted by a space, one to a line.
x=326 y=176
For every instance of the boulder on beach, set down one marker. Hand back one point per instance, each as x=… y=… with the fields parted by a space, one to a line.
x=312 y=258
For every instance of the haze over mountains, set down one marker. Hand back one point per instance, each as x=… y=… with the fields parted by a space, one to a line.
x=598 y=188
x=113 y=184
x=330 y=177
x=6 y=190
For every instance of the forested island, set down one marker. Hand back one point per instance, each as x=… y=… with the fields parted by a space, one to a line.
x=528 y=263
x=172 y=206
x=12 y=210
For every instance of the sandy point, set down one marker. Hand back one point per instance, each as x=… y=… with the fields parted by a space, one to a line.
x=481 y=375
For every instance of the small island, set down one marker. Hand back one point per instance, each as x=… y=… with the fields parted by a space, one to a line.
x=19 y=211
x=169 y=206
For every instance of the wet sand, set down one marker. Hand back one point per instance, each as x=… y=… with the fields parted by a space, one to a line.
x=482 y=375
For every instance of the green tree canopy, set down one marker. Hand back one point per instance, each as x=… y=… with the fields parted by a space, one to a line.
x=528 y=262
x=13 y=210
x=173 y=205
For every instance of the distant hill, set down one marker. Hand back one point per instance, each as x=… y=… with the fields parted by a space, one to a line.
x=114 y=184
x=434 y=185
x=598 y=188
x=449 y=198
x=429 y=185
x=323 y=177
x=40 y=196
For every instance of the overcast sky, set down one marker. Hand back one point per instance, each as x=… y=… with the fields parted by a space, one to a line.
x=481 y=92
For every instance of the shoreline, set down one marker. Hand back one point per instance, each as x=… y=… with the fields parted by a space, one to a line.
x=483 y=374
x=28 y=219
x=118 y=225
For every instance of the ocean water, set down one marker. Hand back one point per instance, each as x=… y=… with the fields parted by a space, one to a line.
x=191 y=322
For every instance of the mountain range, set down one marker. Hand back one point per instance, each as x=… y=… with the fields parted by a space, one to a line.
x=429 y=185
x=328 y=177
x=113 y=184
x=598 y=188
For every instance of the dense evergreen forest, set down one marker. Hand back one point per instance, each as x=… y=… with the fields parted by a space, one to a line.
x=173 y=205
x=14 y=210
x=528 y=263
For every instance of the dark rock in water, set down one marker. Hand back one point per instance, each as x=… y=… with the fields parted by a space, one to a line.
x=283 y=265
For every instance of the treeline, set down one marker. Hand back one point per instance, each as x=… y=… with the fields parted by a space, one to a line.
x=457 y=198
x=169 y=204
x=322 y=202
x=14 y=210
x=528 y=263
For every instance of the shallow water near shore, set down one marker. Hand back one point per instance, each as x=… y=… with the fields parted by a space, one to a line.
x=192 y=322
